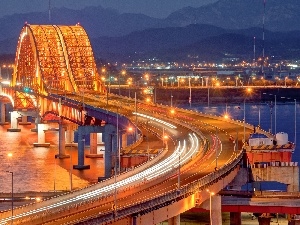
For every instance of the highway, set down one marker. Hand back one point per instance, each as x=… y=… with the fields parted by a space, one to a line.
x=197 y=145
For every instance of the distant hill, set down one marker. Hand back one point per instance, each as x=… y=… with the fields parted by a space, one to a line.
x=225 y=28
x=198 y=42
x=240 y=14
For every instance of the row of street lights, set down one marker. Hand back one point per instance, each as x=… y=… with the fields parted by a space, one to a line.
x=9 y=155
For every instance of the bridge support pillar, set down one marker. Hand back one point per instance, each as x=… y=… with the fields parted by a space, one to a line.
x=70 y=135
x=24 y=121
x=216 y=213
x=94 y=146
x=174 y=220
x=235 y=218
x=3 y=111
x=61 y=142
x=124 y=140
x=37 y=120
x=14 y=122
x=81 y=140
x=264 y=219
x=110 y=140
x=41 y=136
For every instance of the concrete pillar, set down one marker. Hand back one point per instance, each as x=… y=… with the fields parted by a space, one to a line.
x=130 y=138
x=24 y=121
x=235 y=218
x=124 y=140
x=14 y=122
x=37 y=120
x=264 y=219
x=174 y=220
x=41 y=136
x=61 y=142
x=216 y=213
x=81 y=141
x=93 y=147
x=93 y=143
x=100 y=145
x=110 y=140
x=3 y=113
x=70 y=135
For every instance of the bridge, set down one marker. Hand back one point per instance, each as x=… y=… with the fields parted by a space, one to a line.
x=55 y=74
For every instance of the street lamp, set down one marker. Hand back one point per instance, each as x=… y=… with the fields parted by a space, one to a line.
x=210 y=214
x=114 y=206
x=178 y=185
x=12 y=194
x=71 y=167
x=249 y=90
x=123 y=72
x=190 y=97
x=271 y=106
x=217 y=142
x=165 y=140
x=148 y=141
x=295 y=120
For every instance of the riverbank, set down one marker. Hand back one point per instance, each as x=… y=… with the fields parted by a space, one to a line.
x=212 y=95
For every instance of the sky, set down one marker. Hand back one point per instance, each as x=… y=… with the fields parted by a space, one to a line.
x=153 y=8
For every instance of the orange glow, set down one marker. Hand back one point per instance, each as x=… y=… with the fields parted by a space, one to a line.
x=10 y=154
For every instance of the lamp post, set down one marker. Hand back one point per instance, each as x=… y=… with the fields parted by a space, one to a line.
x=54 y=182
x=190 y=97
x=71 y=167
x=249 y=90
x=210 y=214
x=12 y=194
x=148 y=140
x=165 y=140
x=217 y=142
x=295 y=120
x=178 y=185
x=275 y=114
x=123 y=72
x=244 y=122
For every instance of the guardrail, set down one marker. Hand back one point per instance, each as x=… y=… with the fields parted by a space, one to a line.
x=167 y=198
x=142 y=207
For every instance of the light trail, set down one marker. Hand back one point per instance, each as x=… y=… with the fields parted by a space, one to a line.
x=153 y=172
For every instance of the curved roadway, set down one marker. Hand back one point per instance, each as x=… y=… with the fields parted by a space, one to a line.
x=200 y=143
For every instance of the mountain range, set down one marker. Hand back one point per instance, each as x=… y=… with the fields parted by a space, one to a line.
x=223 y=29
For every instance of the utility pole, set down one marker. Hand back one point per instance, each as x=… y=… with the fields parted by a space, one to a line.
x=49 y=11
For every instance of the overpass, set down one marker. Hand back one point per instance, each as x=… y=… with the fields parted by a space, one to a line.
x=55 y=73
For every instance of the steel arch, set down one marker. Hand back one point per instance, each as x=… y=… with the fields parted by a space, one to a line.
x=57 y=59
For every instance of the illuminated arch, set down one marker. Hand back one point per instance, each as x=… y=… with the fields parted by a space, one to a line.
x=53 y=58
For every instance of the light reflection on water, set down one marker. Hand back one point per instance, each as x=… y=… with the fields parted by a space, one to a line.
x=36 y=169
x=285 y=117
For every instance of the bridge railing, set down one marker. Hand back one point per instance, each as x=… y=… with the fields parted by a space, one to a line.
x=170 y=197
